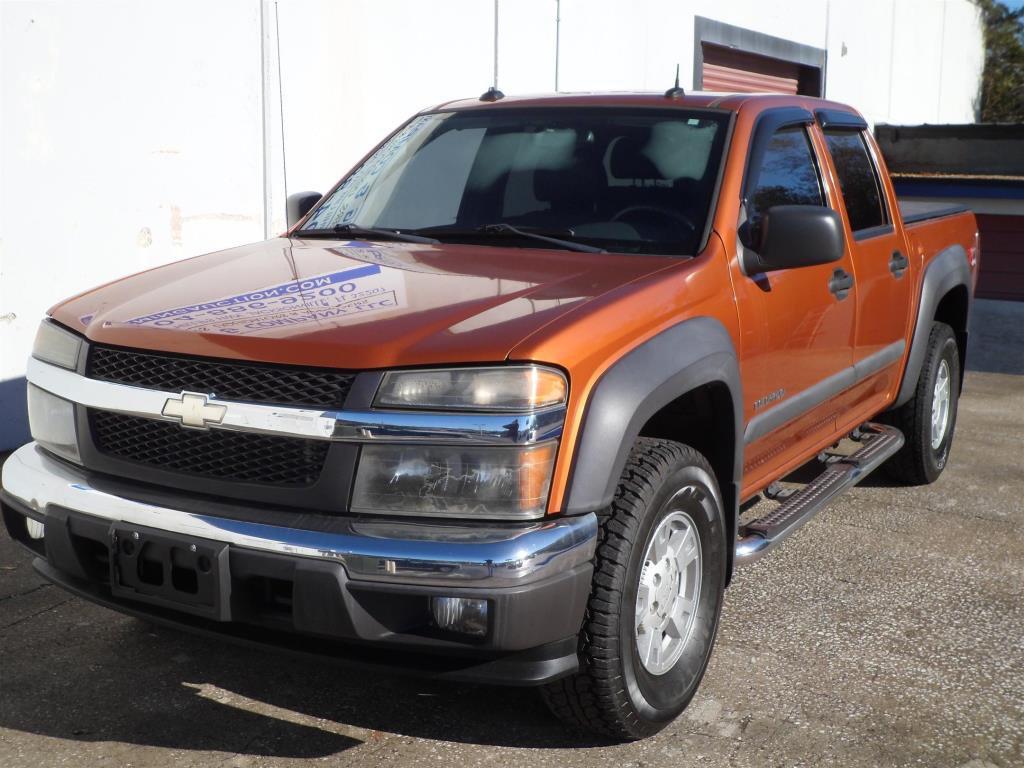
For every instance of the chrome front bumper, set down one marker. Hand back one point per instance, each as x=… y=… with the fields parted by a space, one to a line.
x=398 y=552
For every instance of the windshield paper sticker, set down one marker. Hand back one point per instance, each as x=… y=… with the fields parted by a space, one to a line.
x=347 y=201
x=325 y=297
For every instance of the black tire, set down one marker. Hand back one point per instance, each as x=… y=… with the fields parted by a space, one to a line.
x=613 y=694
x=918 y=462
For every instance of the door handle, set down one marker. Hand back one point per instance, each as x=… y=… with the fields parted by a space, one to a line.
x=840 y=283
x=898 y=264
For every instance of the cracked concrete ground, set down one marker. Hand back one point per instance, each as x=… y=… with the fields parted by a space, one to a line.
x=888 y=632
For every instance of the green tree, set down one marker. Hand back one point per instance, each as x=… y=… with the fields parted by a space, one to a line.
x=1002 y=84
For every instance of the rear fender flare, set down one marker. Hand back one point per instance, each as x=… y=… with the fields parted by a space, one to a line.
x=946 y=271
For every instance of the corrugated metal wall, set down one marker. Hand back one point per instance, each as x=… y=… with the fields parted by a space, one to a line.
x=728 y=70
x=1002 y=257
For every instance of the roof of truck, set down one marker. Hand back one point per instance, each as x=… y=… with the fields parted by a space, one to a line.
x=691 y=99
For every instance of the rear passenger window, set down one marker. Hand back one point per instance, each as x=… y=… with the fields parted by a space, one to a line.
x=788 y=174
x=858 y=179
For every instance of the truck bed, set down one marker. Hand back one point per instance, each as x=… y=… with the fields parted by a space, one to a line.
x=915 y=211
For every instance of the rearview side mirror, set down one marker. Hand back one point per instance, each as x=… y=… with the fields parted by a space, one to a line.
x=299 y=205
x=791 y=236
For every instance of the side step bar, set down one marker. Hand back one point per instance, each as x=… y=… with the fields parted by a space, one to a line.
x=878 y=443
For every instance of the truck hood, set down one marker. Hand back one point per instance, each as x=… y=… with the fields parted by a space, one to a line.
x=349 y=304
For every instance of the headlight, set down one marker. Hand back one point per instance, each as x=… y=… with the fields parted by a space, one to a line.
x=494 y=482
x=51 y=420
x=55 y=345
x=505 y=388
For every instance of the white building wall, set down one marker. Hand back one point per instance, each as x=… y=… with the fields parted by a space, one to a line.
x=920 y=96
x=137 y=133
x=129 y=137
x=353 y=70
x=963 y=61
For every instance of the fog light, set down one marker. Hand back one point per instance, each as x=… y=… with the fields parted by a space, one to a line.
x=35 y=528
x=467 y=615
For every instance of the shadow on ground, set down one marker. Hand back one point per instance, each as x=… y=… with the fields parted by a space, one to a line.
x=147 y=685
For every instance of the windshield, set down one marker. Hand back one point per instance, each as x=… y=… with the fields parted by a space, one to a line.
x=624 y=180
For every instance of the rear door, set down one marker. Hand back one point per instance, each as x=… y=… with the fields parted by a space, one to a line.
x=881 y=262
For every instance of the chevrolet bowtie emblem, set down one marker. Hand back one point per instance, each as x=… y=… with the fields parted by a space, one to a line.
x=193 y=410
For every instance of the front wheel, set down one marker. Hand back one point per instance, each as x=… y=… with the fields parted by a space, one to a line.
x=653 y=612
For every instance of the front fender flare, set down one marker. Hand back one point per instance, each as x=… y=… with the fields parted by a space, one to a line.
x=678 y=360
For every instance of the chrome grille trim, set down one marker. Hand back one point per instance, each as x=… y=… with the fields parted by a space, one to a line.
x=338 y=425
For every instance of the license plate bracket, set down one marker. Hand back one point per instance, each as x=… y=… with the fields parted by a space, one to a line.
x=174 y=571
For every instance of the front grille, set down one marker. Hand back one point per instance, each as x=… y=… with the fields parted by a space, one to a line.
x=253 y=382
x=222 y=454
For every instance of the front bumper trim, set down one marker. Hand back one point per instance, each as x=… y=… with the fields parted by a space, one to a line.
x=530 y=667
x=482 y=555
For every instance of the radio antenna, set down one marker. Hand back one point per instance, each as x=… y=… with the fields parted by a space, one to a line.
x=675 y=92
x=492 y=93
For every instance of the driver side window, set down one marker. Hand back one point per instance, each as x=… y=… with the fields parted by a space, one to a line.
x=788 y=174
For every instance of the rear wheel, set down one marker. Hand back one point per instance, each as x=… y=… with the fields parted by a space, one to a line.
x=928 y=419
x=656 y=597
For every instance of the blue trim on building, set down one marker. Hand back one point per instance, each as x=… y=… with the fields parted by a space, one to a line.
x=990 y=190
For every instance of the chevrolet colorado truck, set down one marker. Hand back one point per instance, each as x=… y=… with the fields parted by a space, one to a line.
x=499 y=406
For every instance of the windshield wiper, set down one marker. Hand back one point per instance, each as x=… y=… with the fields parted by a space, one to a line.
x=356 y=231
x=502 y=229
x=506 y=230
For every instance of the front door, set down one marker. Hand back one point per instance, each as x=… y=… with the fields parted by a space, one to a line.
x=797 y=325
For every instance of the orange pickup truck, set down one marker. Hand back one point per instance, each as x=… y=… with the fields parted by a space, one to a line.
x=499 y=406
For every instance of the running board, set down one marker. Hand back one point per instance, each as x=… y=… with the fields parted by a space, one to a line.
x=878 y=443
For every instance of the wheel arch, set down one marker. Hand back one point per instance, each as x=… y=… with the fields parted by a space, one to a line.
x=692 y=419
x=683 y=384
x=953 y=309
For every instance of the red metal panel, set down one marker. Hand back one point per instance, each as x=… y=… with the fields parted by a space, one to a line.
x=1002 y=257
x=732 y=70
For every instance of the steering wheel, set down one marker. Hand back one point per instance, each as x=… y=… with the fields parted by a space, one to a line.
x=660 y=210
